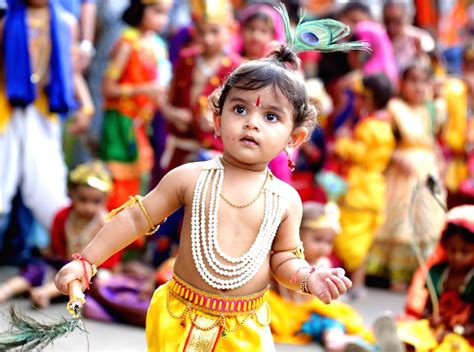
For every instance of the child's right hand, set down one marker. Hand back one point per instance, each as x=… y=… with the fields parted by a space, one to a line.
x=70 y=272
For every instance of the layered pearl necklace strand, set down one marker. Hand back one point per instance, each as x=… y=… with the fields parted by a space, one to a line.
x=232 y=272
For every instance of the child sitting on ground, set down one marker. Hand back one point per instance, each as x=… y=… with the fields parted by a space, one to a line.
x=448 y=324
x=298 y=318
x=73 y=227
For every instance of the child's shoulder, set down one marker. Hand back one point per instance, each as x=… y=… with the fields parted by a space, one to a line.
x=189 y=171
x=285 y=190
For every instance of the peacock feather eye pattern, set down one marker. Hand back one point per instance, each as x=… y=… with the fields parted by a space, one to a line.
x=321 y=35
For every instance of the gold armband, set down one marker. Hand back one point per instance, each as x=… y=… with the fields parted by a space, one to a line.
x=131 y=202
x=113 y=72
x=298 y=251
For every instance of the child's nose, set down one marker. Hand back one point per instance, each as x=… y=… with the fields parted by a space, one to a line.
x=251 y=122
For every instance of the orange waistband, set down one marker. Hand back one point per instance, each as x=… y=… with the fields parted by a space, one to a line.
x=214 y=303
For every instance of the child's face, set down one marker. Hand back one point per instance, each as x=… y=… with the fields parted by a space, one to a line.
x=317 y=243
x=87 y=201
x=394 y=18
x=460 y=254
x=256 y=125
x=155 y=17
x=213 y=37
x=256 y=34
x=415 y=86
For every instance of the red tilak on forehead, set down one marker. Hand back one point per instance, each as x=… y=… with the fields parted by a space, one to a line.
x=257 y=102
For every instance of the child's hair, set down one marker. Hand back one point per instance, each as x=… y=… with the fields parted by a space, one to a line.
x=355 y=6
x=416 y=65
x=133 y=15
x=380 y=89
x=261 y=16
x=279 y=70
x=455 y=229
x=318 y=216
x=92 y=174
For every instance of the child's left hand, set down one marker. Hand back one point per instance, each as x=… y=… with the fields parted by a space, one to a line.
x=328 y=284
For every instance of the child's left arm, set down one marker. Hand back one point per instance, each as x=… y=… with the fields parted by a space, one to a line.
x=291 y=270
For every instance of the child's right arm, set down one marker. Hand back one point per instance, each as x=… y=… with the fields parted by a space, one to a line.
x=127 y=226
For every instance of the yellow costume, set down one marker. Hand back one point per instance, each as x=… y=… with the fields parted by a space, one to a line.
x=419 y=335
x=454 y=134
x=391 y=253
x=184 y=318
x=288 y=317
x=369 y=152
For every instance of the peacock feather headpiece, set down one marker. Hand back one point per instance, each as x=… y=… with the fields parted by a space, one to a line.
x=320 y=35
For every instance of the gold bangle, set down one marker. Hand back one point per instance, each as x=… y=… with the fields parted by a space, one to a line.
x=304 y=282
x=93 y=270
x=87 y=110
x=153 y=228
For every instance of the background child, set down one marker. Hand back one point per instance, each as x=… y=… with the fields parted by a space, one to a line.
x=367 y=152
x=260 y=25
x=73 y=227
x=34 y=93
x=416 y=118
x=134 y=82
x=298 y=318
x=254 y=130
x=452 y=272
x=196 y=74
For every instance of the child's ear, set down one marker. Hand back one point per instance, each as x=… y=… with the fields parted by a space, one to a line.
x=298 y=137
x=217 y=124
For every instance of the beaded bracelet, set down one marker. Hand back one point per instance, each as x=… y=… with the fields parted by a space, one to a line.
x=304 y=282
x=77 y=256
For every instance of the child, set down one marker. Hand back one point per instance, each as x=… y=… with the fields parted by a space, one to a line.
x=260 y=25
x=458 y=132
x=416 y=118
x=133 y=84
x=452 y=273
x=218 y=300
x=73 y=227
x=368 y=152
x=38 y=84
x=198 y=72
x=298 y=318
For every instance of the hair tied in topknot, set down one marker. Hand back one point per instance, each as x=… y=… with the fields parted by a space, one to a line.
x=285 y=56
x=320 y=35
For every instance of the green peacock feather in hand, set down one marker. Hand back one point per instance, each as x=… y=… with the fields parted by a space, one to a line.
x=320 y=35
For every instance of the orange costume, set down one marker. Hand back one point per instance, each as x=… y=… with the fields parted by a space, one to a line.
x=124 y=145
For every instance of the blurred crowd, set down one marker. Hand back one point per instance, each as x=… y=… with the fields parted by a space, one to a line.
x=100 y=98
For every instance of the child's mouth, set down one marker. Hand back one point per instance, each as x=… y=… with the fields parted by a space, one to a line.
x=249 y=141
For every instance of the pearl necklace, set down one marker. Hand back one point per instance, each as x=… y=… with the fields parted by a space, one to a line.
x=209 y=258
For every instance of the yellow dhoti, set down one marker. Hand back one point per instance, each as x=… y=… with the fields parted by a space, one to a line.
x=184 y=318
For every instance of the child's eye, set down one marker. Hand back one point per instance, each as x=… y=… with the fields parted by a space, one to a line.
x=271 y=117
x=240 y=110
